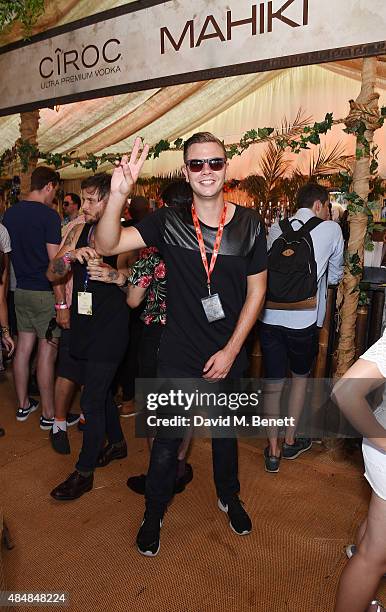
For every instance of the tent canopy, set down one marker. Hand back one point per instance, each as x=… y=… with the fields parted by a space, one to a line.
x=228 y=107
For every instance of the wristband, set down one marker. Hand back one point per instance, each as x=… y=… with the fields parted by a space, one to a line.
x=5 y=330
x=62 y=306
x=67 y=259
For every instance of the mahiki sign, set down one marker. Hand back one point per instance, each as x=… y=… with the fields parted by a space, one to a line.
x=148 y=44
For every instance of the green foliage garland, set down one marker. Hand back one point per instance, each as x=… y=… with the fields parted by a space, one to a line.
x=24 y=151
x=25 y=11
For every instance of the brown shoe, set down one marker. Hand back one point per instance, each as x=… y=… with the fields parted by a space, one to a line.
x=127 y=408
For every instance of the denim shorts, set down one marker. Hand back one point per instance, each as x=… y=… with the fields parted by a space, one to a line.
x=287 y=349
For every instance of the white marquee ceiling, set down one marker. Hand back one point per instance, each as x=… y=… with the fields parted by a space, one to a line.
x=228 y=107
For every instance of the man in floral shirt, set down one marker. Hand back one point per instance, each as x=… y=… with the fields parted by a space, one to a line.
x=149 y=272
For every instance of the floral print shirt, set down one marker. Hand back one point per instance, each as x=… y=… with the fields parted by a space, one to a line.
x=149 y=272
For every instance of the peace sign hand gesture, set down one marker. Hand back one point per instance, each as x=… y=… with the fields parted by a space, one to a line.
x=126 y=172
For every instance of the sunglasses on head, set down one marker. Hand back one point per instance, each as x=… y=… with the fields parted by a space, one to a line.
x=215 y=163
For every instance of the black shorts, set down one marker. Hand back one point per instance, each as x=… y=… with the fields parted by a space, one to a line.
x=67 y=366
x=284 y=348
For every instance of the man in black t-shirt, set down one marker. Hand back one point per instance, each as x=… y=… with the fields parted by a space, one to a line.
x=95 y=342
x=216 y=261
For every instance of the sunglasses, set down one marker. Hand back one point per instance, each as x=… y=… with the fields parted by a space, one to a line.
x=51 y=326
x=66 y=204
x=196 y=165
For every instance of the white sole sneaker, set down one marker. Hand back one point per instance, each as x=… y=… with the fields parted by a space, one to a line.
x=225 y=509
x=46 y=427
x=300 y=452
x=149 y=553
x=25 y=417
x=350 y=550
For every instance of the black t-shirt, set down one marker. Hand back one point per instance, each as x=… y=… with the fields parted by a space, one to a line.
x=189 y=339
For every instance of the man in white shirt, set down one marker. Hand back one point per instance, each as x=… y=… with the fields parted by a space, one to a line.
x=5 y=249
x=289 y=338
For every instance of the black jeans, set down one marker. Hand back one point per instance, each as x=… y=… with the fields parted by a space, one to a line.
x=148 y=352
x=128 y=368
x=100 y=412
x=162 y=471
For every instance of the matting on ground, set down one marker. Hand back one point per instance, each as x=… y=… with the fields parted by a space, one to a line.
x=303 y=517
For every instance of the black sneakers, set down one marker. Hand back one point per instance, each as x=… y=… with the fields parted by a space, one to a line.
x=138 y=483
x=72 y=419
x=60 y=442
x=45 y=423
x=148 y=543
x=22 y=414
x=292 y=451
x=271 y=463
x=239 y=520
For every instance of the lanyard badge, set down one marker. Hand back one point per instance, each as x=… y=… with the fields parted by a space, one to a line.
x=211 y=304
x=85 y=297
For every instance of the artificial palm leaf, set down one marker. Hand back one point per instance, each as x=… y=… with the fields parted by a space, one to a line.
x=289 y=130
x=324 y=161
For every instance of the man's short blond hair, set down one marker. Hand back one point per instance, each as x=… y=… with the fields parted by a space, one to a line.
x=201 y=137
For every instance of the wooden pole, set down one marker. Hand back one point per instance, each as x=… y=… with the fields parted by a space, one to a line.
x=361 y=330
x=256 y=357
x=321 y=361
x=366 y=110
x=29 y=124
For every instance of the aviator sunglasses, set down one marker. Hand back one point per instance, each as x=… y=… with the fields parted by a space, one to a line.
x=215 y=163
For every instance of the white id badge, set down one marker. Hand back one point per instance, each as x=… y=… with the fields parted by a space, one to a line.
x=213 y=307
x=84 y=303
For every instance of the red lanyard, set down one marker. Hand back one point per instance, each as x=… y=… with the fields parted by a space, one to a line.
x=217 y=242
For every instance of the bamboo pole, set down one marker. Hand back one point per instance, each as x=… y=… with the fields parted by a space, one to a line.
x=365 y=109
x=321 y=361
x=256 y=357
x=361 y=330
x=29 y=124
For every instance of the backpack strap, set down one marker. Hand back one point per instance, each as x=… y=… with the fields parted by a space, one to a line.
x=287 y=229
x=285 y=226
x=310 y=225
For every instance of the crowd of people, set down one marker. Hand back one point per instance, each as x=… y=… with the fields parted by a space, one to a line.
x=175 y=294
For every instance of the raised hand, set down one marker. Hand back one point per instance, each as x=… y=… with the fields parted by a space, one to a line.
x=126 y=172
